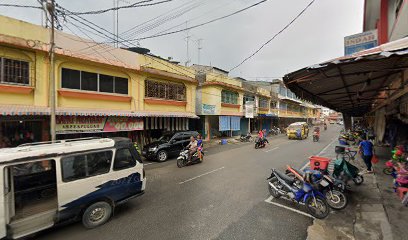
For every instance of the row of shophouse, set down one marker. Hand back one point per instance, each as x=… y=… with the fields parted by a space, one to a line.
x=106 y=91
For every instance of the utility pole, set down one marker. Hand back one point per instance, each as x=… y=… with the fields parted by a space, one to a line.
x=187 y=46
x=51 y=12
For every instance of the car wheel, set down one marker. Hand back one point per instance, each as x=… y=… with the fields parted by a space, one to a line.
x=162 y=156
x=97 y=214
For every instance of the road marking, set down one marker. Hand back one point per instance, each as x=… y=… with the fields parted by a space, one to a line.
x=323 y=150
x=191 y=179
x=145 y=164
x=271 y=149
x=269 y=200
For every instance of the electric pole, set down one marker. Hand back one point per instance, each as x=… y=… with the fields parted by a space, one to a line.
x=51 y=11
x=187 y=46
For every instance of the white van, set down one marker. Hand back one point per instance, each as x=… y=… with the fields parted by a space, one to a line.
x=44 y=184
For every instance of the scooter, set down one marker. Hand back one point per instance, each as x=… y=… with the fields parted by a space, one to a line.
x=246 y=138
x=282 y=185
x=345 y=171
x=316 y=136
x=197 y=157
x=259 y=143
x=332 y=189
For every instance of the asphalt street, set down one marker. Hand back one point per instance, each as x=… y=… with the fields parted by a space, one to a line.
x=221 y=198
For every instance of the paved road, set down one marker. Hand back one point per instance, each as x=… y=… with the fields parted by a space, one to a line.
x=222 y=198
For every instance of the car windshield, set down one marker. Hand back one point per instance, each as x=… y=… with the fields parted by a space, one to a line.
x=165 y=138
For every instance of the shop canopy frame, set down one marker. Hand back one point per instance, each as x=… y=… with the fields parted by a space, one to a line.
x=352 y=84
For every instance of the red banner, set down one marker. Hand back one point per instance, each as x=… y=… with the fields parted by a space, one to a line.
x=115 y=124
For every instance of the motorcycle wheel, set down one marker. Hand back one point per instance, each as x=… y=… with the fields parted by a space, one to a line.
x=388 y=171
x=317 y=207
x=180 y=163
x=358 y=180
x=272 y=191
x=336 y=199
x=256 y=146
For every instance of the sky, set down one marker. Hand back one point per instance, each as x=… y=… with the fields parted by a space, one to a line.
x=317 y=36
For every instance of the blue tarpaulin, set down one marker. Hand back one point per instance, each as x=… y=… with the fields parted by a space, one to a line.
x=228 y=123
x=225 y=123
x=235 y=123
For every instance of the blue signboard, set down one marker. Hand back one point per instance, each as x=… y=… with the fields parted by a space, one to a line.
x=359 y=42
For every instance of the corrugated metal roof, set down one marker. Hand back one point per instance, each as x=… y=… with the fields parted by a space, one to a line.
x=351 y=84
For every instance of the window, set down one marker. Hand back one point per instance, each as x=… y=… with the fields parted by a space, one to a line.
x=82 y=80
x=123 y=159
x=263 y=103
x=229 y=97
x=273 y=105
x=85 y=165
x=14 y=71
x=165 y=90
x=71 y=79
x=89 y=81
x=248 y=98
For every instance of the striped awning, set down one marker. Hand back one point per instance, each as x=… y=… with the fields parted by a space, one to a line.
x=21 y=110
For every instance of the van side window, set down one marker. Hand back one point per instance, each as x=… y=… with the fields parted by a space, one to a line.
x=123 y=159
x=85 y=165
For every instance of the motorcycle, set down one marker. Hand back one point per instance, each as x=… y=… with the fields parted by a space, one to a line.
x=345 y=171
x=316 y=136
x=282 y=185
x=332 y=189
x=260 y=143
x=246 y=138
x=197 y=157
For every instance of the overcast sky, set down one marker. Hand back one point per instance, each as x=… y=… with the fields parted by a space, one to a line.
x=315 y=37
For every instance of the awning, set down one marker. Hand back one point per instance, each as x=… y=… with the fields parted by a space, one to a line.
x=351 y=84
x=20 y=110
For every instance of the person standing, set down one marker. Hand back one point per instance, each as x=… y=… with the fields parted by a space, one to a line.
x=366 y=148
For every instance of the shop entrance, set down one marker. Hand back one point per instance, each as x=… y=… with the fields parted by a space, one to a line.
x=17 y=132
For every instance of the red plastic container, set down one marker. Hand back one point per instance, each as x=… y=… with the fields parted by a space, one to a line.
x=319 y=163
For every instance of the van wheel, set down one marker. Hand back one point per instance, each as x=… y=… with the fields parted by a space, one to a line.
x=97 y=214
x=162 y=156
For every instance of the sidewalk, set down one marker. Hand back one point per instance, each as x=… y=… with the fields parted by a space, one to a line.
x=365 y=217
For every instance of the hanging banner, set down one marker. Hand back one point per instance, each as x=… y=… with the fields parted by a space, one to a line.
x=72 y=124
x=116 y=124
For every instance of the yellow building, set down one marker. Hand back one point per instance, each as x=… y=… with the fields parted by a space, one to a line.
x=219 y=101
x=100 y=90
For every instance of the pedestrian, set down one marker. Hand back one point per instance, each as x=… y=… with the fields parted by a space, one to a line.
x=366 y=148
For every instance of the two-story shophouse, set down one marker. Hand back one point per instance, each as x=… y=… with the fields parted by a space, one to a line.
x=100 y=90
x=219 y=101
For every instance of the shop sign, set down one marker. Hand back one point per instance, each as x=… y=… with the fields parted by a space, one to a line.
x=249 y=109
x=115 y=124
x=359 y=42
x=79 y=124
x=208 y=109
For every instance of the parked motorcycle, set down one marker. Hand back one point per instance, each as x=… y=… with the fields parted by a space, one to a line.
x=345 y=171
x=282 y=185
x=197 y=157
x=246 y=138
x=332 y=189
x=260 y=143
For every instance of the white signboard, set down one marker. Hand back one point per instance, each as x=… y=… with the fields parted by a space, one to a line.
x=249 y=109
x=360 y=41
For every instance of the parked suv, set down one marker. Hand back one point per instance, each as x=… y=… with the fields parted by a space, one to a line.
x=170 y=144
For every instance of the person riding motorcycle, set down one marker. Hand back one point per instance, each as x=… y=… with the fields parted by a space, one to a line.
x=192 y=147
x=261 y=136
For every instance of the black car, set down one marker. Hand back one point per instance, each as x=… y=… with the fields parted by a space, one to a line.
x=170 y=144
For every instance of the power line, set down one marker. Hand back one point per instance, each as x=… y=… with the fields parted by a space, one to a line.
x=20 y=6
x=198 y=25
x=144 y=3
x=271 y=39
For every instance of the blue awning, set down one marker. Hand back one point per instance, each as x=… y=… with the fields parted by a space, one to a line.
x=224 y=123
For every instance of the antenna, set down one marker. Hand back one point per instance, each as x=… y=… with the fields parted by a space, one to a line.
x=199 y=47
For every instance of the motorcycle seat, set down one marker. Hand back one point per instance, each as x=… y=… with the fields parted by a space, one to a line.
x=285 y=177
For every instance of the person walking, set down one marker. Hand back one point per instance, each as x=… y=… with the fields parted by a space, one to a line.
x=366 y=148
